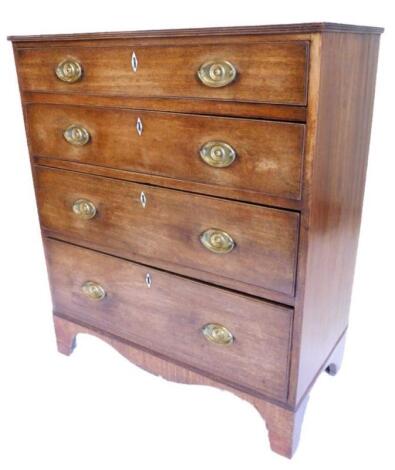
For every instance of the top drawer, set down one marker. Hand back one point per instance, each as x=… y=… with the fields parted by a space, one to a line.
x=265 y=72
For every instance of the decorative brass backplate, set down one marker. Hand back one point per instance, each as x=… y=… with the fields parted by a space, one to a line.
x=217 y=154
x=69 y=71
x=217 y=241
x=217 y=334
x=76 y=135
x=84 y=209
x=217 y=73
x=93 y=290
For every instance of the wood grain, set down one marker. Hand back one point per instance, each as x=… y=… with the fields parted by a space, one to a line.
x=170 y=71
x=169 y=227
x=168 y=316
x=269 y=154
x=344 y=113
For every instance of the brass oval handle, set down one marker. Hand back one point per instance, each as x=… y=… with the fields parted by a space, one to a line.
x=218 y=154
x=218 y=334
x=69 y=71
x=76 y=135
x=217 y=241
x=217 y=73
x=93 y=290
x=84 y=209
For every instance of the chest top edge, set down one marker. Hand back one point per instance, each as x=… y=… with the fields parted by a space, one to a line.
x=217 y=31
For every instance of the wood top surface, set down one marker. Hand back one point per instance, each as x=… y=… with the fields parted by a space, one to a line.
x=218 y=31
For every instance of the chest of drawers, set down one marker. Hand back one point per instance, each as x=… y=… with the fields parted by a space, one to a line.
x=200 y=194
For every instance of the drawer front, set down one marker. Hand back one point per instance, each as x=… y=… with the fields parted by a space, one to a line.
x=168 y=317
x=271 y=72
x=250 y=156
x=173 y=227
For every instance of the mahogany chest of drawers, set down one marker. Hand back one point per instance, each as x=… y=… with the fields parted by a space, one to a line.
x=200 y=194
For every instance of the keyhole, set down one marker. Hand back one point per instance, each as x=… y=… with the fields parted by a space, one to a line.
x=139 y=126
x=143 y=199
x=148 y=280
x=134 y=62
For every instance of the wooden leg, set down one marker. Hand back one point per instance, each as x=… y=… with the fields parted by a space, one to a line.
x=65 y=337
x=334 y=363
x=284 y=426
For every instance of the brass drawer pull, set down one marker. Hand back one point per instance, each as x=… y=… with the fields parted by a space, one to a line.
x=84 y=209
x=93 y=290
x=76 y=135
x=217 y=241
x=217 y=154
x=69 y=71
x=216 y=74
x=218 y=334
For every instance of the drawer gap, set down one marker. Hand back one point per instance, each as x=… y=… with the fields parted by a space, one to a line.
x=243 y=201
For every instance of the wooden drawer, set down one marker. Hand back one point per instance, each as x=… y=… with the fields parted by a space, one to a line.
x=269 y=72
x=168 y=316
x=166 y=232
x=267 y=157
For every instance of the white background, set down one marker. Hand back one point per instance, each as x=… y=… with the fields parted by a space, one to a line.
x=95 y=410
